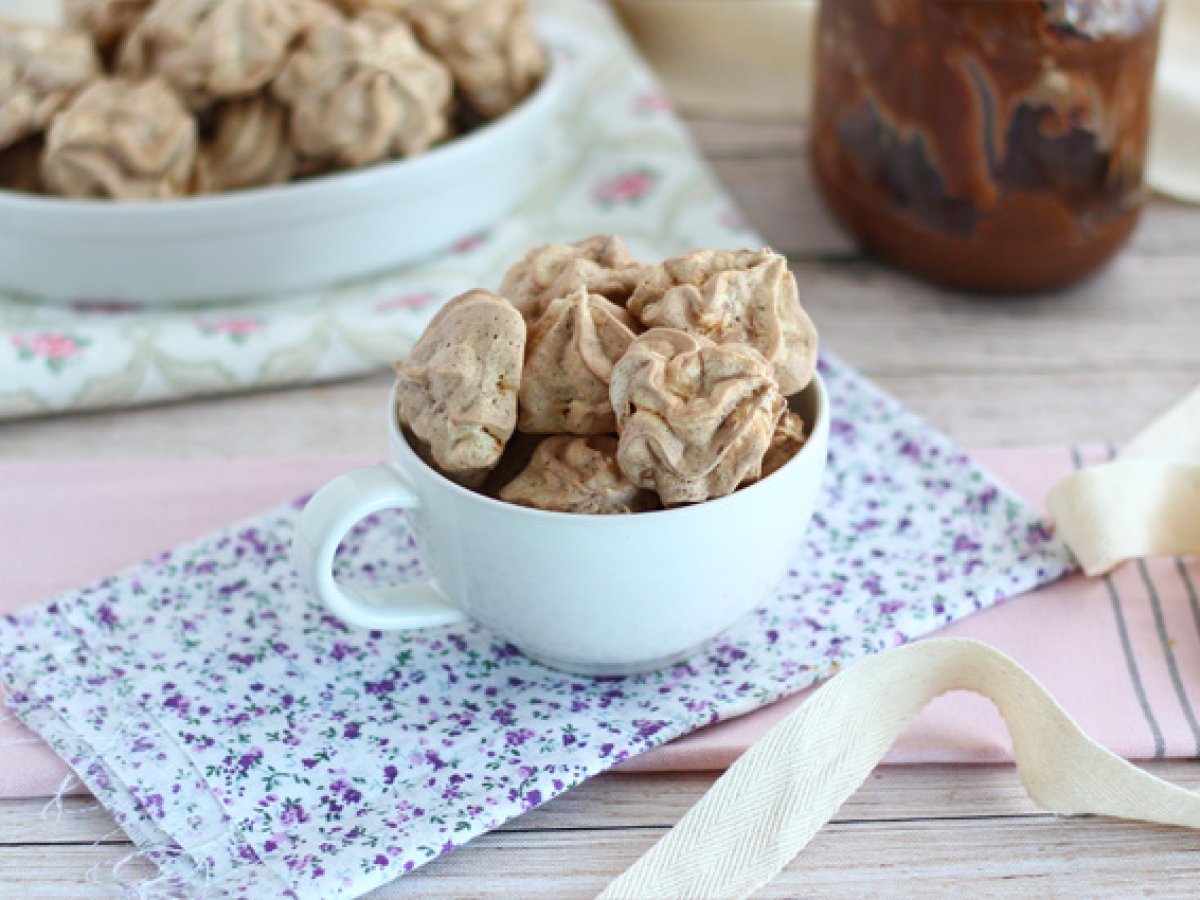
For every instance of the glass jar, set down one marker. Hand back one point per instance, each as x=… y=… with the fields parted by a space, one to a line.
x=990 y=144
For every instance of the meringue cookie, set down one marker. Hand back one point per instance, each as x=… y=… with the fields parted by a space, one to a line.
x=746 y=296
x=602 y=264
x=695 y=417
x=210 y=50
x=364 y=90
x=457 y=391
x=789 y=438
x=128 y=140
x=250 y=147
x=489 y=45
x=568 y=364
x=577 y=475
x=41 y=69
x=105 y=20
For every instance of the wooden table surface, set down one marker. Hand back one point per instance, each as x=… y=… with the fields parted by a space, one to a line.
x=1091 y=363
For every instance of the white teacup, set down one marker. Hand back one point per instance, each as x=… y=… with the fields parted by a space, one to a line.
x=590 y=594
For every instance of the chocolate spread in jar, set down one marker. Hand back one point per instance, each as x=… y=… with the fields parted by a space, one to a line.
x=993 y=144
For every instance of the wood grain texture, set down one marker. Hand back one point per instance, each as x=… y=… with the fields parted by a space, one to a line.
x=994 y=858
x=1094 y=362
x=915 y=829
x=928 y=858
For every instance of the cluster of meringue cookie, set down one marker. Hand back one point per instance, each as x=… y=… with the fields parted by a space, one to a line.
x=593 y=383
x=157 y=99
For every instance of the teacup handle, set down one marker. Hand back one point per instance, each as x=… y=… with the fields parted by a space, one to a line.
x=324 y=524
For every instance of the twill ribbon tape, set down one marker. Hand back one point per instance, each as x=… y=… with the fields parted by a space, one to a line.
x=773 y=800
x=1144 y=503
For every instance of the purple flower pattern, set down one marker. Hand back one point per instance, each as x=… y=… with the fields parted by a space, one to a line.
x=252 y=742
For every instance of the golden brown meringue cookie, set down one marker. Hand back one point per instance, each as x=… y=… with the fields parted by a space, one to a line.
x=747 y=296
x=40 y=70
x=211 y=50
x=787 y=441
x=105 y=20
x=19 y=166
x=489 y=45
x=128 y=140
x=568 y=364
x=457 y=391
x=362 y=91
x=602 y=264
x=577 y=475
x=250 y=147
x=695 y=417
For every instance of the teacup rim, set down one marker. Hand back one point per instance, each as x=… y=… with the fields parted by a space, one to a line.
x=398 y=439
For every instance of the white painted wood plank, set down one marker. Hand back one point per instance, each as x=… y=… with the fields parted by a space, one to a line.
x=1024 y=857
x=1042 y=857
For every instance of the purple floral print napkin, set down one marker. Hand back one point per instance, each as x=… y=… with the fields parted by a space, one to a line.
x=252 y=744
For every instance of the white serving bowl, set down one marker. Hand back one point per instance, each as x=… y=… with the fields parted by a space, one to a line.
x=271 y=240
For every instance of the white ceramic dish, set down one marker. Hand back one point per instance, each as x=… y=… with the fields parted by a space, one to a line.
x=595 y=595
x=271 y=240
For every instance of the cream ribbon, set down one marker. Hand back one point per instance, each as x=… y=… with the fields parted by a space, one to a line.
x=1175 y=126
x=1145 y=503
x=752 y=59
x=771 y=802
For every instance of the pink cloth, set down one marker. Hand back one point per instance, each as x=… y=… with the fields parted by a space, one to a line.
x=1123 y=657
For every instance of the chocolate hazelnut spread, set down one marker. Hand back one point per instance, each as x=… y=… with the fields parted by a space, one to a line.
x=992 y=144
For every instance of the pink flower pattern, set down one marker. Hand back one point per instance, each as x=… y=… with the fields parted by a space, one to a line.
x=469 y=242
x=55 y=349
x=404 y=302
x=237 y=329
x=626 y=189
x=651 y=103
x=730 y=218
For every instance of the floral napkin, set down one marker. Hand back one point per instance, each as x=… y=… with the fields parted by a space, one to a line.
x=618 y=161
x=253 y=744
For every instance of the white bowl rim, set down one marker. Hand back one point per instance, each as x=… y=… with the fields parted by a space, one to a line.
x=231 y=202
x=706 y=508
